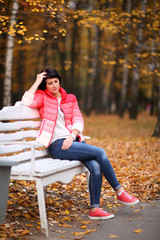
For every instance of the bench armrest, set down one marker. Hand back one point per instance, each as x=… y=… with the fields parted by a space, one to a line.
x=31 y=145
x=7 y=163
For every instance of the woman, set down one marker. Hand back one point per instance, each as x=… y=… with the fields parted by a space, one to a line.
x=61 y=131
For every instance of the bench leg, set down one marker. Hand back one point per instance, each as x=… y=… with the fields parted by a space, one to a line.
x=87 y=177
x=4 y=186
x=42 y=207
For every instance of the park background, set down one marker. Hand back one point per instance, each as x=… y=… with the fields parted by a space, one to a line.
x=107 y=52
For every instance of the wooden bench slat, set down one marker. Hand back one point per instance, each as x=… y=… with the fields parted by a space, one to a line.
x=12 y=126
x=15 y=148
x=44 y=167
x=24 y=156
x=18 y=135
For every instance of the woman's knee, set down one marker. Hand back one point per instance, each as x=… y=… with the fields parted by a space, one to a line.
x=94 y=167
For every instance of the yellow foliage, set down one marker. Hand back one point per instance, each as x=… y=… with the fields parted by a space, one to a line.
x=139 y=230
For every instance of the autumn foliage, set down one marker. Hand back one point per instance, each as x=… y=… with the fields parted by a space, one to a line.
x=135 y=158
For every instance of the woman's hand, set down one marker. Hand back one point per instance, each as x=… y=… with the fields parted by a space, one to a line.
x=67 y=143
x=40 y=77
x=37 y=82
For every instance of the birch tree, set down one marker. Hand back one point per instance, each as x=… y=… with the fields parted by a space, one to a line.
x=9 y=56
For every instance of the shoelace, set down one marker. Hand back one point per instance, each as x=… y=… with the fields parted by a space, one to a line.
x=128 y=195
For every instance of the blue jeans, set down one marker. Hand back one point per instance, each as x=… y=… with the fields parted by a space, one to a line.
x=96 y=161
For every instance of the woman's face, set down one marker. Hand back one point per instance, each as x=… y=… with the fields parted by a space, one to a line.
x=53 y=85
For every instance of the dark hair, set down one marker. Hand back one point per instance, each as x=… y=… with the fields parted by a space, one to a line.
x=51 y=73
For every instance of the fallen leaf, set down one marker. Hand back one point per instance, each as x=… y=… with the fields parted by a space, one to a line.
x=83 y=227
x=83 y=233
x=138 y=230
x=25 y=232
x=85 y=222
x=113 y=236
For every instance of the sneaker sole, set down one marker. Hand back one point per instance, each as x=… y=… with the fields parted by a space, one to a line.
x=129 y=204
x=101 y=218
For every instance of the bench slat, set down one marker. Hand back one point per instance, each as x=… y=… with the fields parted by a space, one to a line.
x=19 y=125
x=44 y=167
x=24 y=156
x=15 y=147
x=18 y=135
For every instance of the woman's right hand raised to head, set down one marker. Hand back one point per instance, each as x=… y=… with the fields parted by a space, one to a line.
x=37 y=82
x=40 y=77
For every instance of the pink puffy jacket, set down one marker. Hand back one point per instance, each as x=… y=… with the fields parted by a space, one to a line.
x=47 y=105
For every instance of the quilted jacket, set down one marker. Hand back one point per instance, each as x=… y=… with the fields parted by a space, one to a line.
x=47 y=105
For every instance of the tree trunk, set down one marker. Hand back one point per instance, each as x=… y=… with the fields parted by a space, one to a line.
x=112 y=104
x=156 y=132
x=154 y=66
x=9 y=58
x=73 y=56
x=135 y=77
x=94 y=70
x=125 y=68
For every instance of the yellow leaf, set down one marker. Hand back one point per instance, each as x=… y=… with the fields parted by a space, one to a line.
x=138 y=230
x=86 y=222
x=83 y=233
x=45 y=31
x=38 y=227
x=66 y=212
x=24 y=232
x=29 y=225
x=83 y=227
x=66 y=218
x=113 y=236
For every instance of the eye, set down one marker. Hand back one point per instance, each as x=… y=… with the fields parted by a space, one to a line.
x=50 y=83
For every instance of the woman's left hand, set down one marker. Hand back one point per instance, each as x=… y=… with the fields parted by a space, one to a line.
x=67 y=143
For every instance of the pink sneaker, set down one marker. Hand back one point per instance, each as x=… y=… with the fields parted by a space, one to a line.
x=127 y=199
x=99 y=214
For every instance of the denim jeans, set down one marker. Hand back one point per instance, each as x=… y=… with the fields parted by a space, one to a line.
x=96 y=161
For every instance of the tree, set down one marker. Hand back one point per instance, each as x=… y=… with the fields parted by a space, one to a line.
x=136 y=68
x=156 y=132
x=9 y=56
x=125 y=65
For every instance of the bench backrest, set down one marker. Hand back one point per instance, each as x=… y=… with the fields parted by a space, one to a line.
x=19 y=123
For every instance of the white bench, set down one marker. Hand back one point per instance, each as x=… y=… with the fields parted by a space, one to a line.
x=18 y=128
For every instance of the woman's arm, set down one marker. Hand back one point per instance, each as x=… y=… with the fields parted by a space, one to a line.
x=37 y=82
x=77 y=127
x=69 y=140
x=28 y=98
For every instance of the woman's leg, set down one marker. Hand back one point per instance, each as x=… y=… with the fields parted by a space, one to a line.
x=95 y=160
x=95 y=182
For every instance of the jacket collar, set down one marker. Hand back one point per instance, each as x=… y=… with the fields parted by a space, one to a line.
x=62 y=91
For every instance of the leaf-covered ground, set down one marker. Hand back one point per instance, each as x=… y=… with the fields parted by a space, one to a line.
x=135 y=157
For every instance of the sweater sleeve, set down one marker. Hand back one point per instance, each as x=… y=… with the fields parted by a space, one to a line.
x=32 y=100
x=77 y=120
